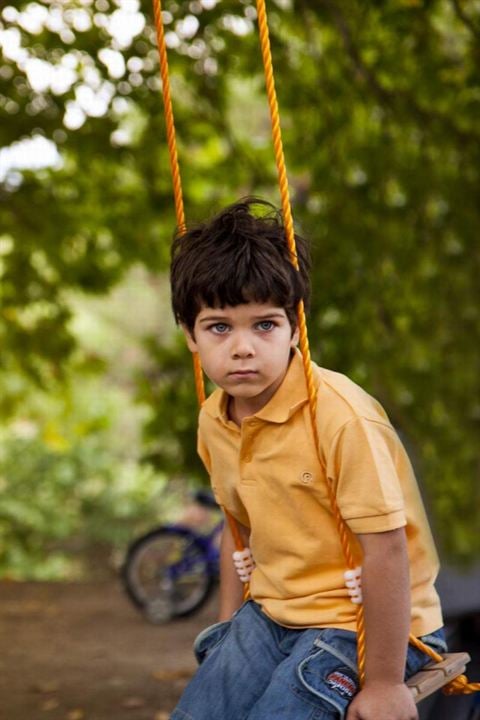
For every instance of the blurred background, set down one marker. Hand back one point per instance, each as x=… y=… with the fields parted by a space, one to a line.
x=380 y=104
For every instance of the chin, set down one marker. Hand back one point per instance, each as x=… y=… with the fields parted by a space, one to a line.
x=245 y=393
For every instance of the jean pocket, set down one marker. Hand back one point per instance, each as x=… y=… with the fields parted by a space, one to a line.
x=209 y=638
x=417 y=659
x=328 y=675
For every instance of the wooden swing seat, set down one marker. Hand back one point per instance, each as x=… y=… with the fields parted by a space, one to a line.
x=435 y=675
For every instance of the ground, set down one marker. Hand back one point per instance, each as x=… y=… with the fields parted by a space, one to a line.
x=82 y=652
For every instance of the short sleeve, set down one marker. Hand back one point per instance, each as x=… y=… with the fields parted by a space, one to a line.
x=362 y=466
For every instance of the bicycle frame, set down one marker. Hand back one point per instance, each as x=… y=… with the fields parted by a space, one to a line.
x=209 y=544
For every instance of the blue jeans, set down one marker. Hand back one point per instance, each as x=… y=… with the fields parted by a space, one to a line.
x=253 y=669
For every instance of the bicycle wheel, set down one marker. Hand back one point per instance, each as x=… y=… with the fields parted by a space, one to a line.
x=167 y=574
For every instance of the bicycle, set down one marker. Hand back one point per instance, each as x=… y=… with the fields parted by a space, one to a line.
x=170 y=572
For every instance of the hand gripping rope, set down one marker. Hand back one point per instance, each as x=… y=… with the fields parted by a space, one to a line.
x=244 y=564
x=460 y=684
x=353 y=583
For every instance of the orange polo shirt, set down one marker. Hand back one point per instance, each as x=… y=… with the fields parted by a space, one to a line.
x=268 y=475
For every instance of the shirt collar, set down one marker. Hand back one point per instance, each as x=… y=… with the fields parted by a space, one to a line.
x=291 y=394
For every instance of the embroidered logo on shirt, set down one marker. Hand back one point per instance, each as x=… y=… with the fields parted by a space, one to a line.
x=342 y=684
x=306 y=477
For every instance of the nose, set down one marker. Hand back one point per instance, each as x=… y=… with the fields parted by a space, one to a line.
x=242 y=346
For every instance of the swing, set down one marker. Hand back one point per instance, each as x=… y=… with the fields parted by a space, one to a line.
x=445 y=671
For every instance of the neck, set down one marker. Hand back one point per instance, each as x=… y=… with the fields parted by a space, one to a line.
x=238 y=409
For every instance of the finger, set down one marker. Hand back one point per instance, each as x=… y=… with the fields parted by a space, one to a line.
x=352 y=714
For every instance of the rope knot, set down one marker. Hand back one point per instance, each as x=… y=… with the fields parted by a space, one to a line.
x=457 y=686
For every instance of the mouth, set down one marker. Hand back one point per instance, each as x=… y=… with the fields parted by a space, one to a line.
x=242 y=373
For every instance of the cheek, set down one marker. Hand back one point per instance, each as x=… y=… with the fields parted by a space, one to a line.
x=213 y=356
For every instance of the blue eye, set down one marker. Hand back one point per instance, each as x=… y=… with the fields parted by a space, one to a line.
x=266 y=325
x=219 y=328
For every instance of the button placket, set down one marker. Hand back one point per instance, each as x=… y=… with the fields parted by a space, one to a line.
x=246 y=452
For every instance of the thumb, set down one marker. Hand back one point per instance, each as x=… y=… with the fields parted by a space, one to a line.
x=352 y=714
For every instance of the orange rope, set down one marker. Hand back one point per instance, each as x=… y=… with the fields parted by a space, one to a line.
x=174 y=166
x=302 y=324
x=169 y=119
x=198 y=376
x=459 y=685
x=276 y=131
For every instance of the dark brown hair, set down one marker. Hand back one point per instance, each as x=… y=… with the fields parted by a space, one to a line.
x=236 y=257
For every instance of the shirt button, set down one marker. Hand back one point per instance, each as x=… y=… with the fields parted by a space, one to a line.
x=248 y=457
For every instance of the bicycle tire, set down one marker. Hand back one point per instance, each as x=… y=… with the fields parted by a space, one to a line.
x=167 y=574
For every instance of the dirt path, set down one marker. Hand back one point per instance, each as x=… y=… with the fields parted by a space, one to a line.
x=81 y=652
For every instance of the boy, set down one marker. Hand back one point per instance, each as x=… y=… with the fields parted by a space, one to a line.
x=289 y=653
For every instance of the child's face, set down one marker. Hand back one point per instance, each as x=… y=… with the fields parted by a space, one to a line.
x=245 y=350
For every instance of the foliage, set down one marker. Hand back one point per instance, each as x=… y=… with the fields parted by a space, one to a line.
x=73 y=491
x=71 y=496
x=379 y=102
x=61 y=509
x=170 y=432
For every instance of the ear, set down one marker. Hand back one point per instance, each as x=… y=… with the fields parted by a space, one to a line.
x=295 y=337
x=191 y=344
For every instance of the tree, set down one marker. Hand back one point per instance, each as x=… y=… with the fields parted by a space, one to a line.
x=379 y=104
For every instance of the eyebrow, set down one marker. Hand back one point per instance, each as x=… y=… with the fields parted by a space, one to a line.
x=213 y=318
x=269 y=315
x=225 y=318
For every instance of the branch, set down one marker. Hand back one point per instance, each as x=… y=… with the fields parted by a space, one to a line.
x=465 y=19
x=361 y=69
x=388 y=97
